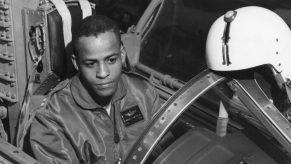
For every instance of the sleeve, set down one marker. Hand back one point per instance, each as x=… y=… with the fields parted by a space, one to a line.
x=48 y=141
x=157 y=103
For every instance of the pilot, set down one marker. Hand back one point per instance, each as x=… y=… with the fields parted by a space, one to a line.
x=98 y=114
x=248 y=38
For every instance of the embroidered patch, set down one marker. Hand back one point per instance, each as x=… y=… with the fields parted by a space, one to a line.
x=131 y=116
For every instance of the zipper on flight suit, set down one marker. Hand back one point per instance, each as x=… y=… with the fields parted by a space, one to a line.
x=116 y=137
x=116 y=134
x=111 y=116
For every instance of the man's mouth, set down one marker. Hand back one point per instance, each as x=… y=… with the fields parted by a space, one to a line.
x=105 y=85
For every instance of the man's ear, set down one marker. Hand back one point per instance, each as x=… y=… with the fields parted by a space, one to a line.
x=123 y=54
x=74 y=61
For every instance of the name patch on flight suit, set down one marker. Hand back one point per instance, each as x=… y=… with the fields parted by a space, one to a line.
x=131 y=116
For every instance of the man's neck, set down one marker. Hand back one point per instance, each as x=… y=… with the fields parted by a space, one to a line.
x=108 y=108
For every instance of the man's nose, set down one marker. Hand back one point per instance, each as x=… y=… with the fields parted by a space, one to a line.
x=103 y=71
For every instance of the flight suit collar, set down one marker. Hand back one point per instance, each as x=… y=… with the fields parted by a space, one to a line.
x=83 y=98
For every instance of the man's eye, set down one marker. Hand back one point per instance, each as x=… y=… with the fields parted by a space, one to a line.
x=112 y=60
x=89 y=64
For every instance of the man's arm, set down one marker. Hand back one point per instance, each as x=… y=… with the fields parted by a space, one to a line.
x=48 y=141
x=157 y=103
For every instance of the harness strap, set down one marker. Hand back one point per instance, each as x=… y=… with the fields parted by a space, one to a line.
x=66 y=19
x=86 y=8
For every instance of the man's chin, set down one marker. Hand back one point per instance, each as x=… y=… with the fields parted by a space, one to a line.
x=108 y=92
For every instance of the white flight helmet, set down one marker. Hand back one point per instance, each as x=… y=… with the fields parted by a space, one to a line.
x=249 y=37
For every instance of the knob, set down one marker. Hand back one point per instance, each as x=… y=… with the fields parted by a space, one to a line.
x=229 y=16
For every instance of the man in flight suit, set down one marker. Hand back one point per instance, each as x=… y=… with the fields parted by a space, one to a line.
x=98 y=114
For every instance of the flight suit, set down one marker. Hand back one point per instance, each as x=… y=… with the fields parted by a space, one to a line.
x=72 y=128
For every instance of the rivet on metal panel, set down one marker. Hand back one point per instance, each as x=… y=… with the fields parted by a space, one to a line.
x=8 y=94
x=151 y=133
x=13 y=96
x=139 y=149
x=268 y=107
x=162 y=120
x=7 y=19
x=3 y=33
x=134 y=157
x=12 y=75
x=157 y=126
x=8 y=36
x=12 y=85
x=145 y=141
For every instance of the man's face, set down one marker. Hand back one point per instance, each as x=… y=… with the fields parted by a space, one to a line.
x=99 y=63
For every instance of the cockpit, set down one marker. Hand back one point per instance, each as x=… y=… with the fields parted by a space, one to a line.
x=207 y=116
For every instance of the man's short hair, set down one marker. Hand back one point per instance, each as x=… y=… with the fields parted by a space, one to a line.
x=94 y=25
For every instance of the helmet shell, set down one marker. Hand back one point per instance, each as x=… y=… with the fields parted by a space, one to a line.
x=257 y=36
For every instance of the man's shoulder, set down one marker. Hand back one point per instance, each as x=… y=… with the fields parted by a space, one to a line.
x=53 y=96
x=134 y=78
x=56 y=91
x=62 y=87
x=135 y=81
x=63 y=84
